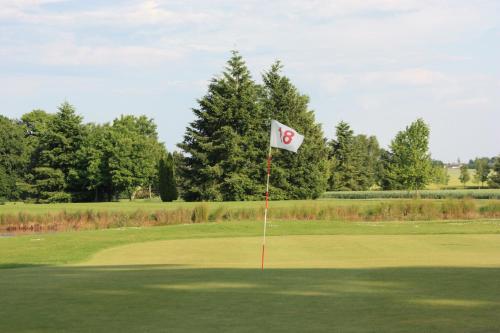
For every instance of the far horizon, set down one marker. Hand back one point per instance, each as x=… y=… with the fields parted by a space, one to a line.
x=377 y=65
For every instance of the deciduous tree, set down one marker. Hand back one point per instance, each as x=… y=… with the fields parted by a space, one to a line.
x=464 y=174
x=410 y=162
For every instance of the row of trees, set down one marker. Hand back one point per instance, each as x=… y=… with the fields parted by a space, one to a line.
x=358 y=163
x=56 y=157
x=486 y=171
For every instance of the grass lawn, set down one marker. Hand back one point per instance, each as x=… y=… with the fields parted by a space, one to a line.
x=156 y=204
x=320 y=276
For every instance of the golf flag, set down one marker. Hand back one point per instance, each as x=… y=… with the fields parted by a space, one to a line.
x=282 y=137
x=285 y=137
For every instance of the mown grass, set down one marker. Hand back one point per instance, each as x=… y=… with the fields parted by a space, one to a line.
x=155 y=204
x=329 y=277
x=70 y=247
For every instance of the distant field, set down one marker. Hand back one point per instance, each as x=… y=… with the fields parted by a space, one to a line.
x=424 y=194
x=320 y=277
x=454 y=181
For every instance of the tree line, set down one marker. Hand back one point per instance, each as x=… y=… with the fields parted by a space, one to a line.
x=57 y=158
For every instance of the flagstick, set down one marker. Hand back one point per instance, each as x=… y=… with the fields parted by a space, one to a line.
x=267 y=206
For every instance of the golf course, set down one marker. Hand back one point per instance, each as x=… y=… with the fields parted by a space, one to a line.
x=335 y=276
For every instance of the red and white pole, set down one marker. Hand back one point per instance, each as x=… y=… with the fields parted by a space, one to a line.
x=267 y=207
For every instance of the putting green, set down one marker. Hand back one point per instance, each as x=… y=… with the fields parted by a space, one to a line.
x=328 y=251
x=328 y=283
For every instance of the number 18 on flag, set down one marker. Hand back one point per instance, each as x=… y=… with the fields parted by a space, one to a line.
x=285 y=137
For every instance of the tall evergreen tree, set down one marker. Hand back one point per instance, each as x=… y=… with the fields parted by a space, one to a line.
x=386 y=177
x=304 y=174
x=220 y=143
x=411 y=162
x=367 y=158
x=343 y=159
x=167 y=185
x=60 y=142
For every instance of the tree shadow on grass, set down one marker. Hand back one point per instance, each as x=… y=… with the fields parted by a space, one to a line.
x=161 y=298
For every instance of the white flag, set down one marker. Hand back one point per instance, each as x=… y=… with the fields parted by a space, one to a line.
x=285 y=137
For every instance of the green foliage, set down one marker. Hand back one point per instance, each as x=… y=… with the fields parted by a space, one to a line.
x=36 y=124
x=482 y=170
x=13 y=156
x=135 y=153
x=91 y=173
x=167 y=183
x=440 y=173
x=7 y=185
x=50 y=185
x=57 y=158
x=464 y=174
x=410 y=162
x=298 y=175
x=494 y=179
x=59 y=143
x=225 y=147
x=354 y=160
x=343 y=160
x=222 y=143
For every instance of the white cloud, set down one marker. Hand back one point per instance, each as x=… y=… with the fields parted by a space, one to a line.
x=373 y=57
x=410 y=76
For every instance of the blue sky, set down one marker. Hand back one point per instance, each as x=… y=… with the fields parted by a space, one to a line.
x=377 y=64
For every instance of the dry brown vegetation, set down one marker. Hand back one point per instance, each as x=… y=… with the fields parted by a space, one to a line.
x=415 y=210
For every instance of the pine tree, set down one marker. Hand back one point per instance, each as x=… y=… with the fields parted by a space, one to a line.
x=163 y=179
x=494 y=180
x=366 y=159
x=167 y=185
x=220 y=144
x=59 y=144
x=304 y=174
x=343 y=159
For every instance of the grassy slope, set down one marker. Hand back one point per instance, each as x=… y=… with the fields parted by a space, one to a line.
x=364 y=277
x=454 y=181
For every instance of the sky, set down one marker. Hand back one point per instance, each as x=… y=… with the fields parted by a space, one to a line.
x=376 y=64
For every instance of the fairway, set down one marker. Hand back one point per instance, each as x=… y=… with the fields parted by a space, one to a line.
x=371 y=277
